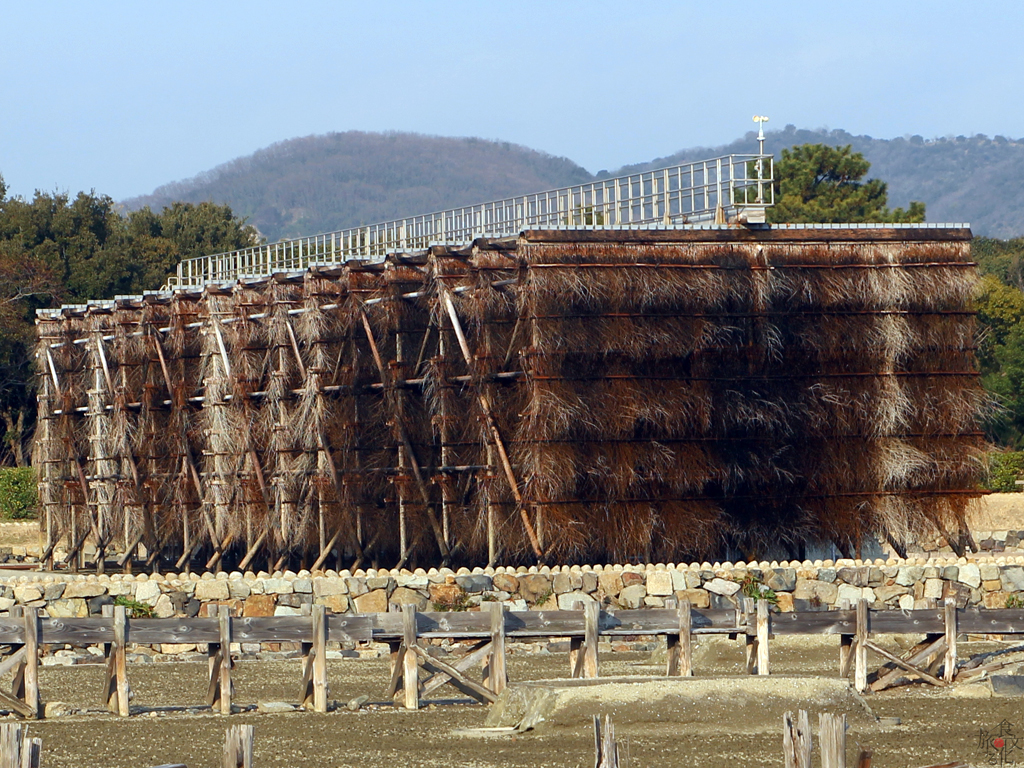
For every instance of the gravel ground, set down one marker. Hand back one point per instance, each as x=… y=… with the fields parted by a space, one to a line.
x=724 y=726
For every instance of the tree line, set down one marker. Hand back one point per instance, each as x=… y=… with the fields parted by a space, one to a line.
x=57 y=249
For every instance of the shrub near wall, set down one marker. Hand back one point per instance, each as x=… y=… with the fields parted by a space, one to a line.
x=18 y=493
x=1004 y=469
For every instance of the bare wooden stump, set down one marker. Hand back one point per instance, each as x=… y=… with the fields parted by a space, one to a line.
x=832 y=740
x=495 y=671
x=680 y=649
x=238 y=746
x=796 y=740
x=607 y=750
x=17 y=750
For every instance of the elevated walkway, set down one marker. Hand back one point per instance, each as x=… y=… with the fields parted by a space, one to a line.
x=730 y=188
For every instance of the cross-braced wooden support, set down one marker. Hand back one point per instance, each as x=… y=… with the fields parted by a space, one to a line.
x=922 y=661
x=24 y=696
x=409 y=657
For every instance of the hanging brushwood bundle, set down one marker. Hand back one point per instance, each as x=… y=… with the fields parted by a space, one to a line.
x=565 y=396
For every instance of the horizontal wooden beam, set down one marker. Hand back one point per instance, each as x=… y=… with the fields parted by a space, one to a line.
x=270 y=629
x=518 y=624
x=740 y=234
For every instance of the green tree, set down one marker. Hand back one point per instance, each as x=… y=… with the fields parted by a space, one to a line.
x=816 y=183
x=1003 y=259
x=54 y=248
x=1000 y=309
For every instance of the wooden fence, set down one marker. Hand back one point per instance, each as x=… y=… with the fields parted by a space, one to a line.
x=416 y=673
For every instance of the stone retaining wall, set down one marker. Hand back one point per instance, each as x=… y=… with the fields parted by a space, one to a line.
x=910 y=584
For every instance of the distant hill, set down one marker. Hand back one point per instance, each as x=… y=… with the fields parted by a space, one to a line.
x=323 y=183
x=975 y=179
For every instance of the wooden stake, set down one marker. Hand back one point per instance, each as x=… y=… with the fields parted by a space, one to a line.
x=495 y=673
x=31 y=676
x=118 y=700
x=397 y=664
x=832 y=738
x=607 y=750
x=676 y=642
x=685 y=640
x=763 y=625
x=951 y=632
x=224 y=623
x=845 y=654
x=319 y=658
x=860 y=672
x=410 y=668
x=238 y=746
x=17 y=750
x=591 y=618
x=796 y=740
x=576 y=648
x=749 y=640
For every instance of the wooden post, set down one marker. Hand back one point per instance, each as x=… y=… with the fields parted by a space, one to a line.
x=796 y=740
x=320 y=658
x=860 y=672
x=763 y=625
x=224 y=623
x=576 y=648
x=117 y=700
x=31 y=678
x=410 y=668
x=591 y=619
x=495 y=673
x=749 y=640
x=18 y=679
x=845 y=645
x=397 y=652
x=238 y=746
x=845 y=654
x=951 y=632
x=832 y=737
x=17 y=750
x=680 y=648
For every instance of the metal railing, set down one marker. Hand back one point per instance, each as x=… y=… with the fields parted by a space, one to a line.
x=728 y=186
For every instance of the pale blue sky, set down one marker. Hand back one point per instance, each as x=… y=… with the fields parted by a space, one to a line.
x=124 y=96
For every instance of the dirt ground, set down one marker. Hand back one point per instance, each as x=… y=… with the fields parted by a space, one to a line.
x=998 y=512
x=19 y=534
x=740 y=730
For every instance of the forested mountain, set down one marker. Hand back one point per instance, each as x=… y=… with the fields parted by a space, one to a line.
x=975 y=179
x=322 y=183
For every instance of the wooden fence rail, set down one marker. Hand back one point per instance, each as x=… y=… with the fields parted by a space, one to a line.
x=416 y=673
